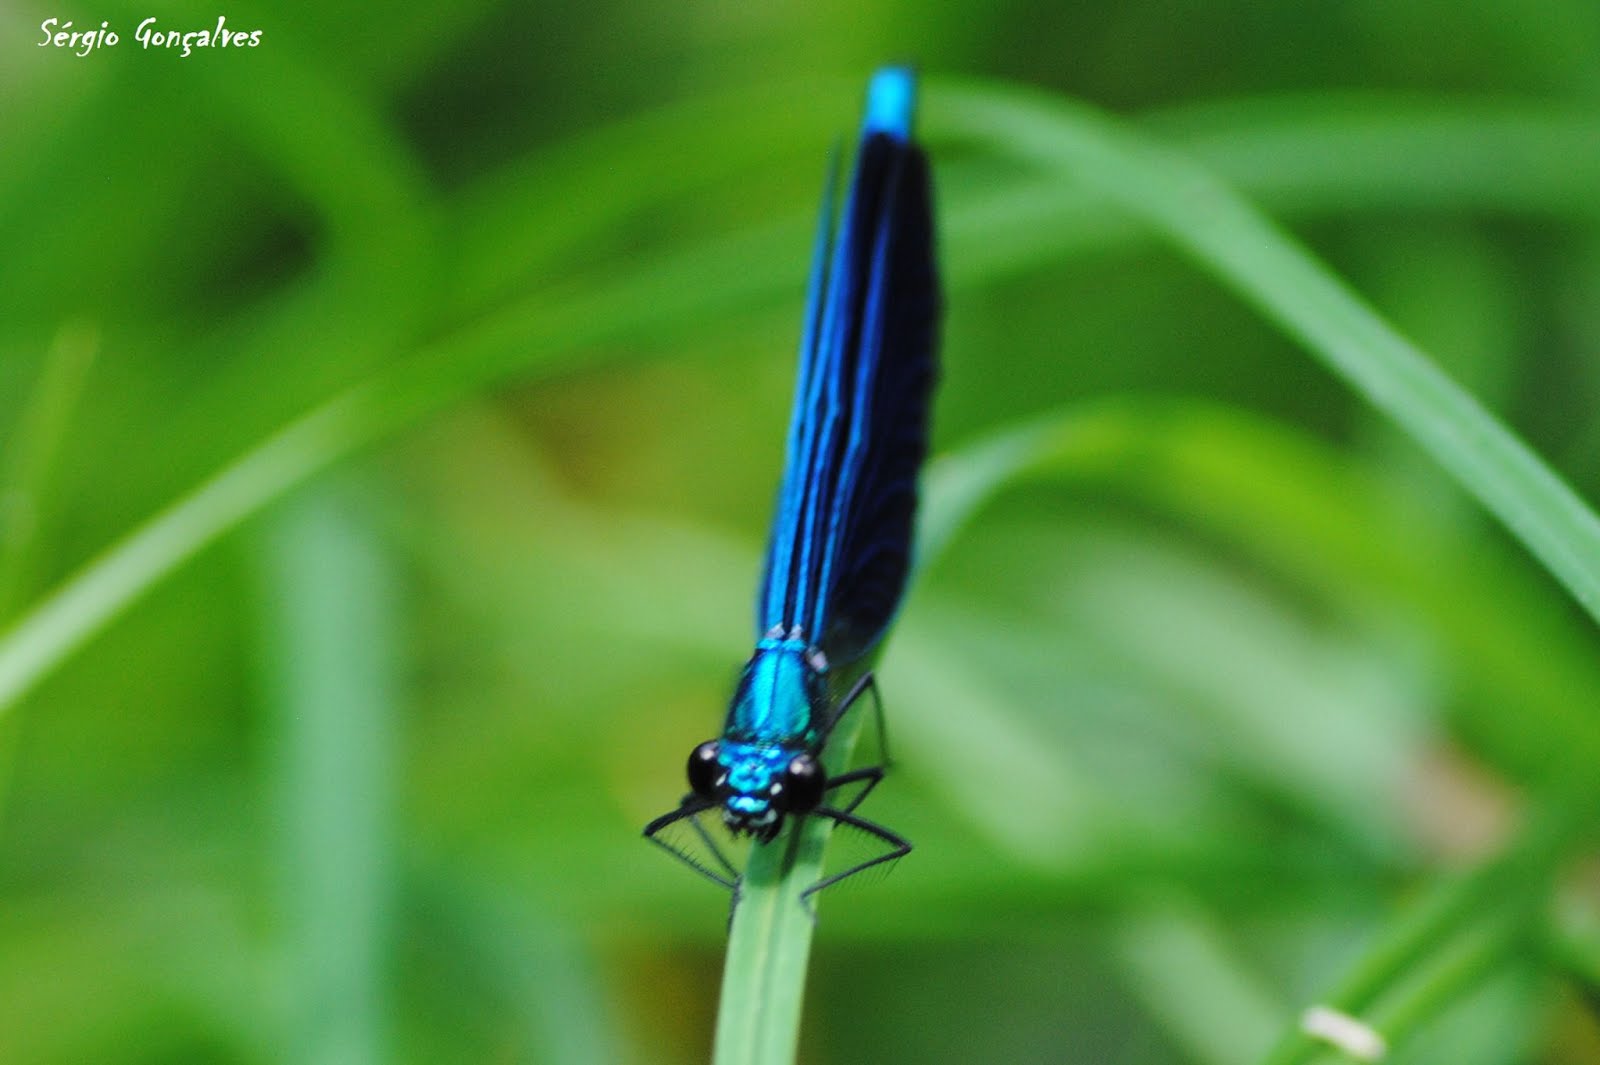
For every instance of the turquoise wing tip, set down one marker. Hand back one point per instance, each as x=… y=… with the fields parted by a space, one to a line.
x=891 y=101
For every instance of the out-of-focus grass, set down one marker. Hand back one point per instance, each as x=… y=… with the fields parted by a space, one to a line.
x=330 y=674
x=1240 y=682
x=44 y=421
x=685 y=288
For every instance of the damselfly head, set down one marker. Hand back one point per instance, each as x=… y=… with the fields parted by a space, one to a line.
x=756 y=784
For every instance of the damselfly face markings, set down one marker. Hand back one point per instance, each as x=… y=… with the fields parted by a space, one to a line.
x=756 y=784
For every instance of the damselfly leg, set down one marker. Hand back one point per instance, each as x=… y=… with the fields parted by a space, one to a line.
x=898 y=847
x=869 y=776
x=719 y=869
x=866 y=685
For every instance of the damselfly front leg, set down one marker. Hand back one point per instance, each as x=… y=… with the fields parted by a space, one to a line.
x=867 y=684
x=898 y=847
x=692 y=806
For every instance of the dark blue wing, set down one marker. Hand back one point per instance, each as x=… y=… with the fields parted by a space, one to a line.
x=840 y=546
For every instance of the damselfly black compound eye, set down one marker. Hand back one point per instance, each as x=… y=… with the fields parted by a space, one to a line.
x=800 y=787
x=705 y=772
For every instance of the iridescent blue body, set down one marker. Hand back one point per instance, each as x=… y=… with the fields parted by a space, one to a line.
x=839 y=552
x=772 y=720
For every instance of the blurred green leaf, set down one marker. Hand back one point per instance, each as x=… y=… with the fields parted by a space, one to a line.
x=1292 y=503
x=331 y=630
x=1227 y=236
x=24 y=481
x=1179 y=964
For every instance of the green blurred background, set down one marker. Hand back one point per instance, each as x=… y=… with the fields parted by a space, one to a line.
x=1178 y=733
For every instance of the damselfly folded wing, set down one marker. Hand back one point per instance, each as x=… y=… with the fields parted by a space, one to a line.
x=840 y=548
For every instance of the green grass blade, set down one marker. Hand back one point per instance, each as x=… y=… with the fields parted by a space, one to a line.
x=330 y=635
x=25 y=479
x=764 y=974
x=763 y=977
x=107 y=584
x=31 y=454
x=1252 y=256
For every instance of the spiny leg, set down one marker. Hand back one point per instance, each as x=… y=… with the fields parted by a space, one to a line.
x=872 y=774
x=899 y=847
x=716 y=851
x=867 y=682
x=692 y=805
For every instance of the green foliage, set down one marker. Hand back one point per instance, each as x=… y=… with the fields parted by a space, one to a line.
x=1216 y=697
